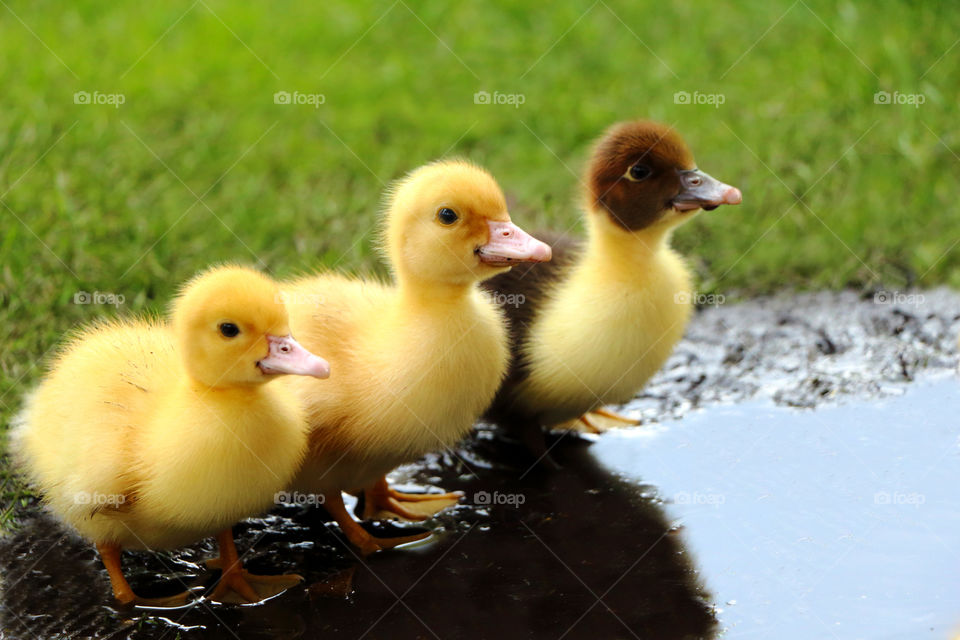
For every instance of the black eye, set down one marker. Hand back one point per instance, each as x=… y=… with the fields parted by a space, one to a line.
x=228 y=329
x=447 y=216
x=640 y=172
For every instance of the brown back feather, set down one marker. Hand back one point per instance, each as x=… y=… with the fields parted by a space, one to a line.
x=533 y=281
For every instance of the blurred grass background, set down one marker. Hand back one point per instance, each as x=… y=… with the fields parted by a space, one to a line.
x=200 y=165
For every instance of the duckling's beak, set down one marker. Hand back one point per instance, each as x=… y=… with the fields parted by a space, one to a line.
x=509 y=244
x=286 y=355
x=701 y=191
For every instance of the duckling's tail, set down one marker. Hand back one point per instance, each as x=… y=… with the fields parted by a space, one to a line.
x=17 y=433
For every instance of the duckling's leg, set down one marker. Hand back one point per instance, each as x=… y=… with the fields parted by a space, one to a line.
x=536 y=442
x=381 y=497
x=239 y=586
x=110 y=555
x=357 y=535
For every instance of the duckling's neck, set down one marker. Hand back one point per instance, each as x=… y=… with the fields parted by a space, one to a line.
x=619 y=252
x=231 y=397
x=422 y=295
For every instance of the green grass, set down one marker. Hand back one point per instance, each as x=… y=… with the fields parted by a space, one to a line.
x=97 y=198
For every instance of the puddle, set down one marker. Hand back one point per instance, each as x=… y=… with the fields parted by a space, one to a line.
x=746 y=519
x=841 y=522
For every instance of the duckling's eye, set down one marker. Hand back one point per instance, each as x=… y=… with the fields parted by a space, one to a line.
x=228 y=329
x=639 y=172
x=447 y=216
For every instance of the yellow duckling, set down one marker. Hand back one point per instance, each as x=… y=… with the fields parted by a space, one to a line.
x=417 y=361
x=602 y=318
x=145 y=435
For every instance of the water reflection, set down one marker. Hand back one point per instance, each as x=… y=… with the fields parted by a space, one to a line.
x=579 y=554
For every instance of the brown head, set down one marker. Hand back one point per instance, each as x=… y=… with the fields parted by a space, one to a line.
x=643 y=175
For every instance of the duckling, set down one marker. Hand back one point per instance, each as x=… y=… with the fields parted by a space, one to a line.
x=147 y=435
x=417 y=360
x=602 y=317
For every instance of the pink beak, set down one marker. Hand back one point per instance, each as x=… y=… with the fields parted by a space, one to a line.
x=703 y=191
x=509 y=244
x=287 y=356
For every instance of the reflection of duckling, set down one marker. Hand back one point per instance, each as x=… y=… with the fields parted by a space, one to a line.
x=415 y=362
x=599 y=320
x=145 y=435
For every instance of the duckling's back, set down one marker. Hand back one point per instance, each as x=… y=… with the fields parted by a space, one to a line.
x=524 y=290
x=75 y=438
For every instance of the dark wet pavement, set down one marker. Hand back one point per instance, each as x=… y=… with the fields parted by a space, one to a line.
x=748 y=518
x=576 y=554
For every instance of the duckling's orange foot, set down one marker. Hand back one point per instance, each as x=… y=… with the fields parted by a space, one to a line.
x=616 y=417
x=357 y=535
x=129 y=599
x=176 y=600
x=383 y=501
x=600 y=420
x=425 y=497
x=243 y=587
x=239 y=586
x=368 y=544
x=122 y=593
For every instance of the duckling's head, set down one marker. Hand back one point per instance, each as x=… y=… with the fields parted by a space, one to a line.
x=232 y=329
x=642 y=175
x=447 y=223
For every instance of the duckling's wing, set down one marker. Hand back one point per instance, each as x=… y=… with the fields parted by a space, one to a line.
x=532 y=281
x=80 y=435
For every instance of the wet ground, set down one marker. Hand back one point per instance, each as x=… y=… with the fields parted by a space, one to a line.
x=806 y=351
x=750 y=517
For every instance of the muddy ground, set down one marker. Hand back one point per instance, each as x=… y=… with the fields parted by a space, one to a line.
x=807 y=350
x=586 y=552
